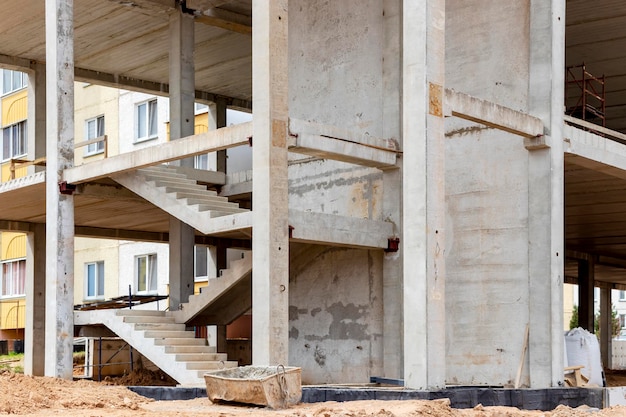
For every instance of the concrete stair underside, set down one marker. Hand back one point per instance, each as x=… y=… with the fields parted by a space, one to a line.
x=223 y=300
x=160 y=339
x=177 y=194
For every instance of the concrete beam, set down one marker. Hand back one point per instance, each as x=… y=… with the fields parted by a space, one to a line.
x=211 y=141
x=15 y=63
x=592 y=151
x=340 y=150
x=14 y=226
x=493 y=115
x=225 y=19
x=329 y=229
x=152 y=87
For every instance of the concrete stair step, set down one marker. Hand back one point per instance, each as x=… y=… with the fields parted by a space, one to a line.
x=148 y=319
x=201 y=357
x=144 y=313
x=208 y=207
x=180 y=341
x=161 y=171
x=169 y=334
x=198 y=349
x=200 y=194
x=160 y=326
x=192 y=189
x=219 y=203
x=172 y=182
x=210 y=365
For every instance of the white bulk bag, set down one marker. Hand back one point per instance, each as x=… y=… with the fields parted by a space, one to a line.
x=583 y=349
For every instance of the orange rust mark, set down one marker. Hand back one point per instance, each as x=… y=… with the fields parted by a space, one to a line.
x=435 y=99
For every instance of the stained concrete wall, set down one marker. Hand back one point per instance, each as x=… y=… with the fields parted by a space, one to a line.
x=335 y=317
x=336 y=78
x=487 y=292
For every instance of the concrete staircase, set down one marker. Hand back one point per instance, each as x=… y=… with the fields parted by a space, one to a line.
x=163 y=341
x=177 y=194
x=223 y=300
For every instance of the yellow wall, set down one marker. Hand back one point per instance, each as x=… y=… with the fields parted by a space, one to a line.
x=201 y=124
x=12 y=245
x=15 y=108
x=12 y=313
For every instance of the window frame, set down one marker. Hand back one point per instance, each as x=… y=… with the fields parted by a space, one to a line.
x=9 y=145
x=22 y=84
x=3 y=285
x=151 y=116
x=152 y=276
x=98 y=280
x=98 y=147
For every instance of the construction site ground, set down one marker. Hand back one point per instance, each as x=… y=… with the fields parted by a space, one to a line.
x=43 y=396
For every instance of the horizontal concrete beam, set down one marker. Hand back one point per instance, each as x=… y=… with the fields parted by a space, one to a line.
x=339 y=150
x=151 y=87
x=595 y=152
x=15 y=226
x=211 y=141
x=618 y=136
x=493 y=115
x=330 y=229
x=224 y=19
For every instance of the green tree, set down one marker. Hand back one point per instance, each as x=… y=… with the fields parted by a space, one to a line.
x=615 y=324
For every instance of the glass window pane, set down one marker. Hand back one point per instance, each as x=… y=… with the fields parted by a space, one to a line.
x=100 y=131
x=141 y=274
x=201 y=261
x=100 y=278
x=91 y=280
x=153 y=273
x=6 y=143
x=141 y=121
x=91 y=129
x=153 y=118
x=6 y=81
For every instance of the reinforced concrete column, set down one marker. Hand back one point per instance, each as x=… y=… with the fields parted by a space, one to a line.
x=182 y=118
x=35 y=330
x=586 y=280
x=545 y=195
x=37 y=112
x=606 y=327
x=59 y=207
x=392 y=194
x=270 y=202
x=423 y=191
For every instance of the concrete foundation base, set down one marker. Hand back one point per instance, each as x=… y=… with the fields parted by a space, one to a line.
x=460 y=397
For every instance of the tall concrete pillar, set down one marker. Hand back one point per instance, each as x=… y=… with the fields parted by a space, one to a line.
x=35 y=330
x=423 y=191
x=182 y=103
x=392 y=198
x=545 y=195
x=59 y=207
x=37 y=112
x=270 y=238
x=606 y=327
x=586 y=280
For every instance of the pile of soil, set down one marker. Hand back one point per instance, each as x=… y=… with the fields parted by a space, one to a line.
x=42 y=396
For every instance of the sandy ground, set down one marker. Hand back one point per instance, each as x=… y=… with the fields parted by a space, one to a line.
x=40 y=396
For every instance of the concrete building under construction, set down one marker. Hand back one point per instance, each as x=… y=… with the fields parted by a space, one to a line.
x=426 y=175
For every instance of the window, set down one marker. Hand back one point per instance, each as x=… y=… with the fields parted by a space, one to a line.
x=13 y=278
x=201 y=107
x=622 y=321
x=13 y=80
x=94 y=280
x=201 y=161
x=201 y=261
x=14 y=141
x=146 y=273
x=622 y=295
x=146 y=120
x=94 y=128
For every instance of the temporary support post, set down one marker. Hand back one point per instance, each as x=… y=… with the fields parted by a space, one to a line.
x=423 y=190
x=270 y=237
x=181 y=242
x=545 y=195
x=59 y=207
